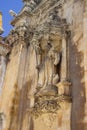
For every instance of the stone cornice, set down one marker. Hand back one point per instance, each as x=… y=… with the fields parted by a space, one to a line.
x=34 y=11
x=53 y=24
x=43 y=4
x=20 y=16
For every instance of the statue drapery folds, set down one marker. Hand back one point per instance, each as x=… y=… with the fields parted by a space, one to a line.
x=47 y=63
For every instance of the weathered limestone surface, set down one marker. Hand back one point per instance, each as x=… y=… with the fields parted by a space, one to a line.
x=45 y=86
x=2 y=71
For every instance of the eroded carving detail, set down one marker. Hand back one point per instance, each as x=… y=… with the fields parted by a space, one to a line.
x=48 y=104
x=50 y=92
x=47 y=71
x=19 y=33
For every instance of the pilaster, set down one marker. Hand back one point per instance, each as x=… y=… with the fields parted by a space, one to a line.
x=85 y=57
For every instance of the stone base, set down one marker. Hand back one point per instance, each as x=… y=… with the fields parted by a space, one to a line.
x=48 y=104
x=50 y=90
x=64 y=88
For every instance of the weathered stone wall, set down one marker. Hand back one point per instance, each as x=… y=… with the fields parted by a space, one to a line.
x=75 y=16
x=9 y=85
x=22 y=74
x=2 y=71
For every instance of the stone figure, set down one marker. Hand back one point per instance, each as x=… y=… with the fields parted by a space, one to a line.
x=54 y=58
x=48 y=75
x=37 y=48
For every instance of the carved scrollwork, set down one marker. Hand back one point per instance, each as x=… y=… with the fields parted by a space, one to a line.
x=19 y=33
x=48 y=104
x=49 y=94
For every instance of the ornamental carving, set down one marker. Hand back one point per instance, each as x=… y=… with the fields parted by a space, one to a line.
x=48 y=104
x=51 y=92
x=19 y=33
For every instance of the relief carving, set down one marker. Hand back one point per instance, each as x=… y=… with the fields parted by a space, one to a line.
x=48 y=104
x=50 y=56
x=19 y=33
x=48 y=76
x=48 y=96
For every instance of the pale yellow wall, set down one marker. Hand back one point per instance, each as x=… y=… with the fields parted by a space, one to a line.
x=71 y=13
x=9 y=86
x=0 y=20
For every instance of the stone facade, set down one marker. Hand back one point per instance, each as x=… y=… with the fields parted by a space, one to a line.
x=43 y=67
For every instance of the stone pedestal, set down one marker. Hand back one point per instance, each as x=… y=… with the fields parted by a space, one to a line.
x=64 y=88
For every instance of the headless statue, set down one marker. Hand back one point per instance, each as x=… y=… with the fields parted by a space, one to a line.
x=48 y=74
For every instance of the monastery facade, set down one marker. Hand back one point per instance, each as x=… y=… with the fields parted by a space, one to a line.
x=43 y=67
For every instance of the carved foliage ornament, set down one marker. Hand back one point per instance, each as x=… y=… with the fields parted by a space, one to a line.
x=19 y=33
x=47 y=98
x=48 y=104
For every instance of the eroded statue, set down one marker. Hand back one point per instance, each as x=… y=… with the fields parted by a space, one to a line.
x=48 y=75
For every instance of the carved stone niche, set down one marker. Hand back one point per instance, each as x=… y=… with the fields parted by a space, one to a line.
x=48 y=61
x=52 y=86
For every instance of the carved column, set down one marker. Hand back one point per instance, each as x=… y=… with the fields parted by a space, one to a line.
x=4 y=50
x=64 y=60
x=2 y=71
x=64 y=85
